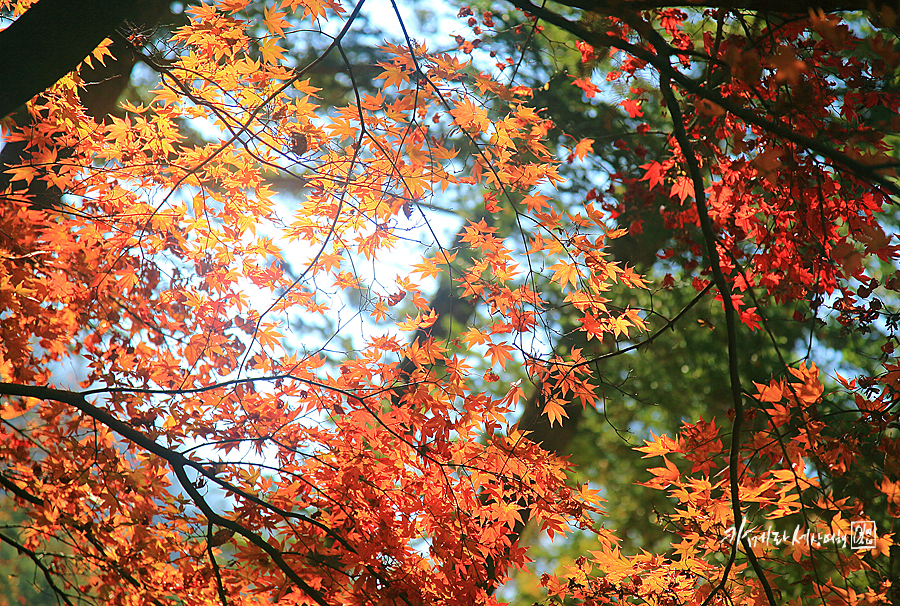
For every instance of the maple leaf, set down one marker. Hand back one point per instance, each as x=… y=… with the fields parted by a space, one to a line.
x=658 y=446
x=565 y=273
x=619 y=325
x=683 y=188
x=271 y=52
x=780 y=414
x=768 y=163
x=379 y=312
x=633 y=107
x=873 y=237
x=788 y=67
x=770 y=393
x=535 y=202
x=555 y=411
x=587 y=51
x=500 y=354
x=393 y=75
x=590 y=89
x=473 y=336
x=883 y=546
x=274 y=21
x=101 y=52
x=22 y=173
x=419 y=322
x=750 y=318
x=656 y=174
x=810 y=389
x=470 y=116
x=583 y=148
x=233 y=5
x=665 y=476
x=514 y=394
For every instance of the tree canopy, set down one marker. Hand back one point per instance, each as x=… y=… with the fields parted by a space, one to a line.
x=305 y=312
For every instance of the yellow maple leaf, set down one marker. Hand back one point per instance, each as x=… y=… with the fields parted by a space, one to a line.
x=565 y=273
x=659 y=446
x=271 y=52
x=274 y=22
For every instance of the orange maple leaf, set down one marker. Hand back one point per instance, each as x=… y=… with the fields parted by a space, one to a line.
x=555 y=411
x=583 y=148
x=499 y=353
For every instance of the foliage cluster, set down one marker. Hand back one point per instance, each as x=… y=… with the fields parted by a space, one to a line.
x=242 y=362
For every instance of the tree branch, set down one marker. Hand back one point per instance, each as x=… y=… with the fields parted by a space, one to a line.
x=661 y=63
x=712 y=255
x=176 y=460
x=22 y=494
x=36 y=558
x=793 y=7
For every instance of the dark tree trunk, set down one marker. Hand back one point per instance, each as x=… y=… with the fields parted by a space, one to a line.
x=104 y=84
x=49 y=40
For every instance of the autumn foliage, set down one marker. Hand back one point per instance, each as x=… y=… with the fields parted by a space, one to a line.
x=217 y=390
